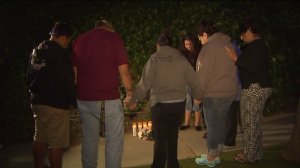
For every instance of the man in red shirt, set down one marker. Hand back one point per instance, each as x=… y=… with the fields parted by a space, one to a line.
x=99 y=57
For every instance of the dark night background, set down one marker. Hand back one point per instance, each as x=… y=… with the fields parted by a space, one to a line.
x=24 y=24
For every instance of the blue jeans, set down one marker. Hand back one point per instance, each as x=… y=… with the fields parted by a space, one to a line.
x=215 y=110
x=114 y=132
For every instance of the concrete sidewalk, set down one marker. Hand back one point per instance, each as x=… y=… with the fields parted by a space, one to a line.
x=276 y=130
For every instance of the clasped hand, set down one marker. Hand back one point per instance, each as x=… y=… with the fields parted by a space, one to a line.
x=128 y=104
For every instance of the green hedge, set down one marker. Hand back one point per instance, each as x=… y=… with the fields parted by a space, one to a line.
x=139 y=23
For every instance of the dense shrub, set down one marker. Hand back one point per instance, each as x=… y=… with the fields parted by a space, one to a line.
x=139 y=23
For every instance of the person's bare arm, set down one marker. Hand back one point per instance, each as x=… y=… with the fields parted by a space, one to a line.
x=126 y=79
x=75 y=74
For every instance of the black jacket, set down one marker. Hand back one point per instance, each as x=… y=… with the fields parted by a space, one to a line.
x=50 y=76
x=253 y=64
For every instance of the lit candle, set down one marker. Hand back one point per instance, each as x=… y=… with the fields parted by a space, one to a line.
x=150 y=124
x=144 y=124
x=134 y=129
x=140 y=126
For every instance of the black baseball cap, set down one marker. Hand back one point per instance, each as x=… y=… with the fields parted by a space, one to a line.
x=61 y=28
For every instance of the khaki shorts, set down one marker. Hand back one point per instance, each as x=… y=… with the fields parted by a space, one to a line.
x=52 y=125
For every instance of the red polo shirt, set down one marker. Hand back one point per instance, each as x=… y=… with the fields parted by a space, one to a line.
x=97 y=55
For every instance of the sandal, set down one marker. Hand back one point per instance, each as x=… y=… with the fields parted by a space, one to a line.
x=241 y=157
x=183 y=127
x=240 y=154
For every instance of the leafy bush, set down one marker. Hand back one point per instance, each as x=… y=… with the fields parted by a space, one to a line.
x=139 y=23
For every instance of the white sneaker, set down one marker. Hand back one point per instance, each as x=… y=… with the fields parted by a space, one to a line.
x=203 y=161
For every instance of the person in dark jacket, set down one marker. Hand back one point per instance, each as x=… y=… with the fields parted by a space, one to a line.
x=50 y=79
x=253 y=64
x=233 y=116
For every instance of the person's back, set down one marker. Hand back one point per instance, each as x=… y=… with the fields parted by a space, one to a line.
x=50 y=78
x=99 y=58
x=170 y=75
x=218 y=75
x=166 y=75
x=217 y=80
x=45 y=68
x=97 y=55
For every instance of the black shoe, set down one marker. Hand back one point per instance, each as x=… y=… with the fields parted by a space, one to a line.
x=183 y=127
x=198 y=128
x=205 y=135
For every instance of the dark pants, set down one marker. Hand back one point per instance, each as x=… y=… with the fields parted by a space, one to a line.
x=165 y=121
x=231 y=123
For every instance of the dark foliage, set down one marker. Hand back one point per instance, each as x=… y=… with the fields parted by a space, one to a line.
x=24 y=24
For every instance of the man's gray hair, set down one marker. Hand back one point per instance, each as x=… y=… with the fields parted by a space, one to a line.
x=104 y=23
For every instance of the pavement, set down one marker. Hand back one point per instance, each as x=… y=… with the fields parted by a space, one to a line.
x=276 y=130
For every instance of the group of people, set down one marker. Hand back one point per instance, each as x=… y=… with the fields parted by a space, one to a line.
x=86 y=78
x=179 y=81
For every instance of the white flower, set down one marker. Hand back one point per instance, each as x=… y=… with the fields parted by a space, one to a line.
x=145 y=134
x=140 y=134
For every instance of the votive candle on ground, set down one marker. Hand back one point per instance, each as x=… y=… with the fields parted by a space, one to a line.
x=134 y=129
x=140 y=126
x=144 y=124
x=150 y=124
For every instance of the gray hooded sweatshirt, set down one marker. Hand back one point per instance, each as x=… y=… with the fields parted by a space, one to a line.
x=166 y=75
x=216 y=73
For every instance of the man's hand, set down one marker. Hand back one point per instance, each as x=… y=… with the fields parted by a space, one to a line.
x=132 y=106
x=128 y=105
x=231 y=53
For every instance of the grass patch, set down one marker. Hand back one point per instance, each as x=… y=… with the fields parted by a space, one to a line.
x=272 y=159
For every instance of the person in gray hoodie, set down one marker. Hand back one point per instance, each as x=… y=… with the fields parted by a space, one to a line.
x=166 y=75
x=216 y=78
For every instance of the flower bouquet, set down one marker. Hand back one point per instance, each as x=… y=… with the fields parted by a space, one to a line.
x=145 y=134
